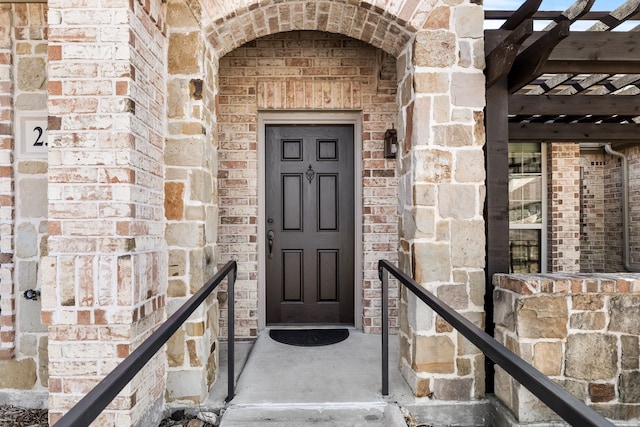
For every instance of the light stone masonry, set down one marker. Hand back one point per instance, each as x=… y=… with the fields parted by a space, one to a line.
x=579 y=329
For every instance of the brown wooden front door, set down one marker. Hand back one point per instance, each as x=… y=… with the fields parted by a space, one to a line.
x=309 y=223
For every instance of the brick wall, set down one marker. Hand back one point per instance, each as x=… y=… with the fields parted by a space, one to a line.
x=104 y=280
x=7 y=196
x=602 y=210
x=592 y=220
x=563 y=232
x=304 y=71
x=633 y=157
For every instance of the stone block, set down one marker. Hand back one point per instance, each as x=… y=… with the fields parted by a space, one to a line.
x=624 y=313
x=467 y=244
x=43 y=361
x=547 y=357
x=431 y=82
x=588 y=302
x=467 y=90
x=629 y=384
x=185 y=53
x=31 y=73
x=435 y=49
x=459 y=389
x=425 y=222
x=27 y=275
x=542 y=317
x=591 y=357
x=454 y=295
x=469 y=166
x=26 y=241
x=186 y=385
x=468 y=21
x=503 y=309
x=34 y=203
x=457 y=201
x=173 y=200
x=419 y=315
x=602 y=392
x=630 y=352
x=186 y=235
x=432 y=166
x=589 y=321
x=175 y=349
x=434 y=354
x=432 y=262
x=18 y=374
x=179 y=15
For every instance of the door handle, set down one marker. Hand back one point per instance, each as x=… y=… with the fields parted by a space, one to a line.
x=270 y=236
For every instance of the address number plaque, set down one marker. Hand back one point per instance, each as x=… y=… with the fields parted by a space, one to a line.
x=31 y=134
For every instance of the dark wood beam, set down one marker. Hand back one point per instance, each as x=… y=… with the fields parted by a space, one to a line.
x=524 y=12
x=500 y=60
x=530 y=61
x=550 y=15
x=574 y=105
x=496 y=210
x=596 y=52
x=574 y=132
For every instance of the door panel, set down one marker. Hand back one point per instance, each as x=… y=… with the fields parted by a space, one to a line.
x=310 y=219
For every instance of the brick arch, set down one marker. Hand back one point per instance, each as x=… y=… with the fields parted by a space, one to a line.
x=233 y=24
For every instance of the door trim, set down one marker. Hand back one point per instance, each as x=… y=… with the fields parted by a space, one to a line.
x=311 y=117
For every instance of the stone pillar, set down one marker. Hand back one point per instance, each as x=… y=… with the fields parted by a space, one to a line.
x=564 y=207
x=441 y=200
x=581 y=330
x=104 y=281
x=190 y=202
x=7 y=199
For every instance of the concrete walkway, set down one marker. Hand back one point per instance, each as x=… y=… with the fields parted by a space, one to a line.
x=335 y=385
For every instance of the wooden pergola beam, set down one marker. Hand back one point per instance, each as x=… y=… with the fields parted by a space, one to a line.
x=574 y=132
x=574 y=105
x=524 y=12
x=500 y=60
x=529 y=62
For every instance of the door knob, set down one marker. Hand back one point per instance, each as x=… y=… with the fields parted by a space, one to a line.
x=270 y=236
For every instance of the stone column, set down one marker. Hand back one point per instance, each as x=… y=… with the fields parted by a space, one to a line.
x=441 y=199
x=564 y=207
x=104 y=281
x=190 y=202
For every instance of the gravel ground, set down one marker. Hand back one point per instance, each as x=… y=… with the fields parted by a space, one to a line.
x=14 y=416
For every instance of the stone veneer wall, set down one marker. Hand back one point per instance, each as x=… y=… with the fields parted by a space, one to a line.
x=105 y=277
x=581 y=330
x=441 y=197
x=304 y=71
x=190 y=202
x=23 y=39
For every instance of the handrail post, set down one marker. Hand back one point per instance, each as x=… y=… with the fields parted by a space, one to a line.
x=231 y=336
x=384 y=278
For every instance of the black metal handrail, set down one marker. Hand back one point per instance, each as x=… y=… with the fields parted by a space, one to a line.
x=94 y=402
x=555 y=397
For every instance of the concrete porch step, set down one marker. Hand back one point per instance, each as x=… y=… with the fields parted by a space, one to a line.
x=325 y=414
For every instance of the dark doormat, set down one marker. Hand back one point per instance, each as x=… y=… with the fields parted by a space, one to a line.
x=309 y=337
